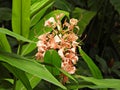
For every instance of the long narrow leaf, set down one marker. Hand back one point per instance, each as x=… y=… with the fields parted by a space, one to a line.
x=38 y=15
x=4 y=44
x=29 y=66
x=38 y=6
x=17 y=36
x=103 y=83
x=20 y=75
x=21 y=17
x=67 y=74
x=93 y=68
x=52 y=57
x=33 y=82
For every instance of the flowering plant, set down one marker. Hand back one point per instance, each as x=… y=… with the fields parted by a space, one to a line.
x=63 y=39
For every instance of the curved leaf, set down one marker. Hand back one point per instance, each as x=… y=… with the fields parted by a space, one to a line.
x=103 y=83
x=93 y=68
x=38 y=15
x=63 y=5
x=51 y=57
x=38 y=5
x=4 y=44
x=30 y=66
x=17 y=36
x=33 y=82
x=21 y=17
x=20 y=75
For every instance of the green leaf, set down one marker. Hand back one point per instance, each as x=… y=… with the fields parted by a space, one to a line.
x=39 y=15
x=21 y=17
x=38 y=5
x=33 y=1
x=20 y=75
x=94 y=83
x=40 y=29
x=33 y=82
x=29 y=66
x=84 y=16
x=6 y=14
x=9 y=80
x=67 y=74
x=74 y=86
x=116 y=4
x=103 y=83
x=51 y=57
x=102 y=63
x=4 y=44
x=17 y=36
x=93 y=68
x=63 y=5
x=5 y=85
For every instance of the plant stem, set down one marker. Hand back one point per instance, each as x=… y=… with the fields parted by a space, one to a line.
x=14 y=84
x=18 y=53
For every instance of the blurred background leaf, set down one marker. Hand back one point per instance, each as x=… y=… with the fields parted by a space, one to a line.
x=116 y=4
x=84 y=18
x=5 y=14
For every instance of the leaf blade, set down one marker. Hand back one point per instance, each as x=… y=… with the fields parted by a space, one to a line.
x=51 y=57
x=84 y=16
x=4 y=44
x=21 y=17
x=103 y=83
x=93 y=68
x=33 y=82
x=31 y=67
x=17 y=36
x=20 y=75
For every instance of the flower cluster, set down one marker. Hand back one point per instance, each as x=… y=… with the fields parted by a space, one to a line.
x=61 y=38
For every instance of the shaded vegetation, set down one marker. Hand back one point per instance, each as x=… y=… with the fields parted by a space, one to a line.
x=22 y=22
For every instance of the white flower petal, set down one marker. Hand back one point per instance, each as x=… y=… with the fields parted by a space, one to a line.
x=60 y=52
x=57 y=39
x=72 y=71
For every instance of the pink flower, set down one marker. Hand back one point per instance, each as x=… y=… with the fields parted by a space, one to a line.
x=72 y=57
x=67 y=66
x=43 y=37
x=60 y=52
x=40 y=43
x=63 y=39
x=57 y=39
x=74 y=43
x=39 y=55
x=50 y=22
x=59 y=16
x=73 y=21
x=65 y=44
x=53 y=44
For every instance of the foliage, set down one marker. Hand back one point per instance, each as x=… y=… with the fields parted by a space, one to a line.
x=22 y=22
